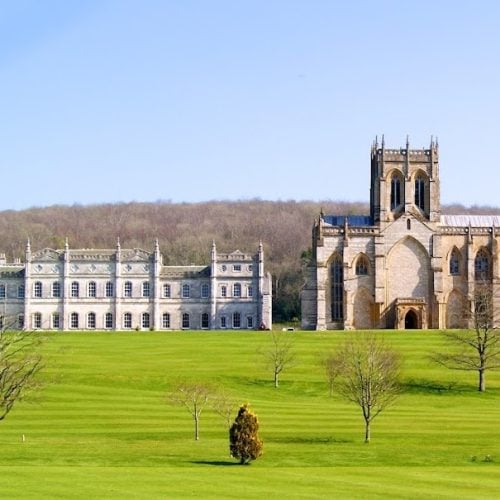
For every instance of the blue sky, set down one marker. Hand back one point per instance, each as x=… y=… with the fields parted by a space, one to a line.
x=193 y=100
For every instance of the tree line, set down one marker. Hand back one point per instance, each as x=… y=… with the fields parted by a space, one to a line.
x=186 y=231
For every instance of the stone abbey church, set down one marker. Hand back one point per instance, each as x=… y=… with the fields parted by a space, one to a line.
x=404 y=265
x=125 y=289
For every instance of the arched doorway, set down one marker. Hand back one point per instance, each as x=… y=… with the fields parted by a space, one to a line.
x=411 y=320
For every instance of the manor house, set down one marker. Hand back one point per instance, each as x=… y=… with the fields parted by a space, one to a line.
x=123 y=289
x=404 y=265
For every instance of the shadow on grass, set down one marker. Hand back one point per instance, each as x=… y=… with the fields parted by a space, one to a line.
x=429 y=387
x=309 y=440
x=215 y=463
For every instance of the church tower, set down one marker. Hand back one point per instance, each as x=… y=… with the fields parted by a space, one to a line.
x=404 y=181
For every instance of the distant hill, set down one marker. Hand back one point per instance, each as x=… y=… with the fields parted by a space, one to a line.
x=186 y=231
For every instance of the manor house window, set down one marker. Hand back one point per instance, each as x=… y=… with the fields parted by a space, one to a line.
x=37 y=320
x=2 y=291
x=75 y=289
x=186 y=291
x=92 y=289
x=185 y=320
x=108 y=320
x=167 y=291
x=56 y=289
x=127 y=320
x=37 y=289
x=56 y=320
x=127 y=289
x=74 y=320
x=166 y=320
x=204 y=321
x=109 y=289
x=91 y=320
x=236 y=320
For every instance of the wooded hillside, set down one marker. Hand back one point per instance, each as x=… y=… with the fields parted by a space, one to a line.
x=186 y=231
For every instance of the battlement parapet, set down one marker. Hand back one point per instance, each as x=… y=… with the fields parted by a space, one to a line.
x=474 y=231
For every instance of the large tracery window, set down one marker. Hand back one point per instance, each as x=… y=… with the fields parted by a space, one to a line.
x=420 y=192
x=396 y=191
x=482 y=265
x=337 y=280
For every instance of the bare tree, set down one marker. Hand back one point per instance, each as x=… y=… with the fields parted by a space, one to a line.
x=20 y=361
x=224 y=405
x=333 y=365
x=369 y=376
x=479 y=346
x=279 y=354
x=193 y=396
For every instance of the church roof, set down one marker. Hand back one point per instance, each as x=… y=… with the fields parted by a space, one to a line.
x=470 y=220
x=352 y=220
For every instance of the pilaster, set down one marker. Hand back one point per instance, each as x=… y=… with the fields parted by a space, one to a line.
x=65 y=320
x=213 y=287
x=27 y=288
x=118 y=287
x=157 y=263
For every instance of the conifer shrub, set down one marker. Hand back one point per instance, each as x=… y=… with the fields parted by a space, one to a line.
x=244 y=442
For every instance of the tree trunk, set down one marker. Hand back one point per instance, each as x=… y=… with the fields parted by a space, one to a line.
x=196 y=429
x=276 y=381
x=367 y=431
x=482 y=381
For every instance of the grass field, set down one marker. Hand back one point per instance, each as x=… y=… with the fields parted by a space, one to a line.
x=102 y=427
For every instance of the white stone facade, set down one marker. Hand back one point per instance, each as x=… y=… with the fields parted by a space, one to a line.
x=404 y=265
x=125 y=289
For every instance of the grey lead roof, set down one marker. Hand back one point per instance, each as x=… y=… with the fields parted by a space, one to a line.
x=470 y=220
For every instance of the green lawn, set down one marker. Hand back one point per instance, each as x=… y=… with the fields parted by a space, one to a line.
x=102 y=427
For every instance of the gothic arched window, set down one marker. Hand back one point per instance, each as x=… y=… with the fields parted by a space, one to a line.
x=337 y=280
x=397 y=185
x=420 y=192
x=362 y=266
x=482 y=265
x=455 y=262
